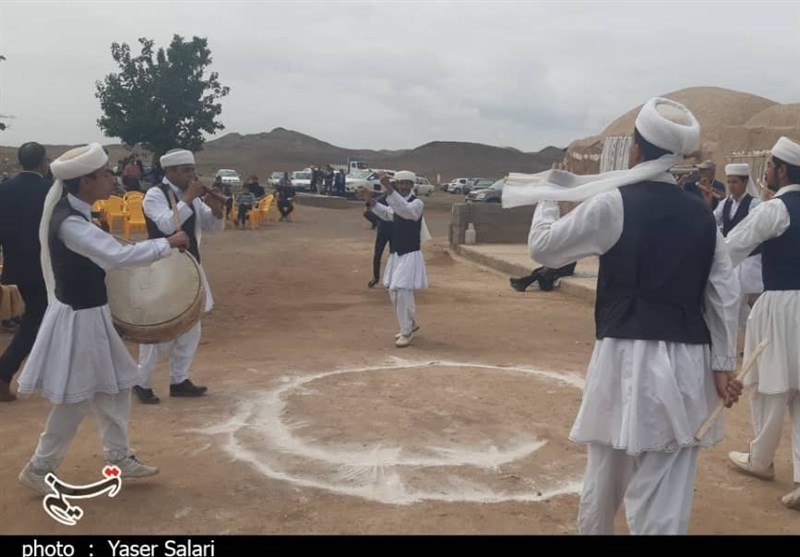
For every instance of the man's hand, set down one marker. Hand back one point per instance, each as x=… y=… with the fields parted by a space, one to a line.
x=179 y=240
x=766 y=193
x=193 y=191
x=728 y=387
x=386 y=182
x=366 y=196
x=216 y=204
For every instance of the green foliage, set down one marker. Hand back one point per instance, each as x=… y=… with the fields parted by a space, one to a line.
x=161 y=100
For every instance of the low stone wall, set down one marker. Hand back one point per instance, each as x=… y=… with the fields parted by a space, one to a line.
x=328 y=202
x=493 y=224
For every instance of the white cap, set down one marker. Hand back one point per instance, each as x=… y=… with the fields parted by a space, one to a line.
x=79 y=162
x=669 y=125
x=177 y=157
x=404 y=176
x=737 y=169
x=787 y=150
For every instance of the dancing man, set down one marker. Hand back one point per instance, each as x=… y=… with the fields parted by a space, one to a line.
x=775 y=226
x=742 y=198
x=665 y=322
x=405 y=269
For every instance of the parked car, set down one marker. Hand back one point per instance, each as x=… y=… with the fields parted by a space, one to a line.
x=301 y=180
x=230 y=178
x=423 y=187
x=456 y=186
x=476 y=184
x=360 y=179
x=275 y=178
x=492 y=194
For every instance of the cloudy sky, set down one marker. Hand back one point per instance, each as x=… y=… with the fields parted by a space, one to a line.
x=390 y=75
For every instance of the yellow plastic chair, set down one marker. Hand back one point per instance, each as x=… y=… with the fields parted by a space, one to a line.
x=266 y=207
x=115 y=211
x=234 y=210
x=254 y=215
x=132 y=195
x=134 y=217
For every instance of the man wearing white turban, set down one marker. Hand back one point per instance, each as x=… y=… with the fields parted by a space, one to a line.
x=78 y=360
x=661 y=361
x=775 y=226
x=197 y=212
x=742 y=198
x=405 y=270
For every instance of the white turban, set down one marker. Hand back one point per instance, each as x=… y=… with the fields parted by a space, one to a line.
x=787 y=150
x=663 y=122
x=177 y=157
x=404 y=176
x=669 y=125
x=737 y=169
x=72 y=164
x=79 y=162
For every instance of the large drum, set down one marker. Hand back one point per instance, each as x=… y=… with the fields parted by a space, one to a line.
x=159 y=302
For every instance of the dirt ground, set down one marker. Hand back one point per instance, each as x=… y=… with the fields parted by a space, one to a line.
x=316 y=423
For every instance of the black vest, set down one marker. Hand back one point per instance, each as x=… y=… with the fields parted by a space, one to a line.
x=187 y=226
x=79 y=282
x=741 y=212
x=780 y=257
x=405 y=234
x=651 y=284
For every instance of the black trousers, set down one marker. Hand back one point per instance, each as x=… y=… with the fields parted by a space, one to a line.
x=381 y=239
x=242 y=213
x=35 y=298
x=285 y=208
x=546 y=275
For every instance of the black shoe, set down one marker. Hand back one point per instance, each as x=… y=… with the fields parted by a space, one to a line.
x=372 y=283
x=518 y=284
x=146 y=396
x=187 y=388
x=547 y=282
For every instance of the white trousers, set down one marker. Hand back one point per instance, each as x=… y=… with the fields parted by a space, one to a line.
x=656 y=487
x=111 y=413
x=767 y=412
x=181 y=355
x=404 y=307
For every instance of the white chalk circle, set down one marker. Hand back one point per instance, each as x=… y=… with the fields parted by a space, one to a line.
x=459 y=463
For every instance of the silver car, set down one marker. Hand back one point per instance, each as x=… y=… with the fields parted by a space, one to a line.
x=492 y=194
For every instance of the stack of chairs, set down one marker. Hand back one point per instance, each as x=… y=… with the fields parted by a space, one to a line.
x=126 y=210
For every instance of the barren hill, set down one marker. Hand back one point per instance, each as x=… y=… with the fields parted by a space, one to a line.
x=286 y=150
x=282 y=150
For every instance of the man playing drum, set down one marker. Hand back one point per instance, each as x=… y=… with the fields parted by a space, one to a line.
x=181 y=189
x=78 y=360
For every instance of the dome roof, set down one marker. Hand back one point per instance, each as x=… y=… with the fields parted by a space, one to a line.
x=714 y=107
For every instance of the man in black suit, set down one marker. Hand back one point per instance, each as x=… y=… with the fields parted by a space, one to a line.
x=21 y=203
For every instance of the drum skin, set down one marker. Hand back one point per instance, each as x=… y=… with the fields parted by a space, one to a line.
x=159 y=302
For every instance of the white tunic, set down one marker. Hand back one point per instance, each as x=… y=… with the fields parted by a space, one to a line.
x=158 y=209
x=78 y=353
x=776 y=314
x=749 y=271
x=405 y=271
x=642 y=395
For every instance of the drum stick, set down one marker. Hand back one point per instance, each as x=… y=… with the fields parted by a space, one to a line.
x=175 y=212
x=745 y=368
